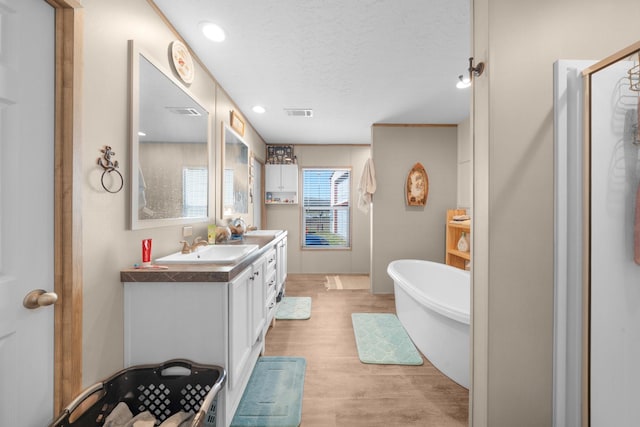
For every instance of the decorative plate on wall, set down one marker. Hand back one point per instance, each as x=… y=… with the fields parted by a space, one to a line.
x=182 y=62
x=417 y=186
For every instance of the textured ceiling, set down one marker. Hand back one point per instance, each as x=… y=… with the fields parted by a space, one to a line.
x=354 y=62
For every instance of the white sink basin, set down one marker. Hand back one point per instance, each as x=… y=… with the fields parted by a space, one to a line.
x=262 y=232
x=212 y=254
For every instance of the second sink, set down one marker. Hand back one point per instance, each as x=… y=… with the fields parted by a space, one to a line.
x=212 y=254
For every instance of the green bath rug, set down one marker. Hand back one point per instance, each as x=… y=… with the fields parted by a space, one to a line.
x=273 y=397
x=381 y=339
x=294 y=308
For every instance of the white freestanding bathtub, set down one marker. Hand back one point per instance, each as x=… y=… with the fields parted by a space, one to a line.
x=432 y=303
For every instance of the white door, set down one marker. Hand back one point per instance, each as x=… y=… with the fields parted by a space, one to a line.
x=27 y=63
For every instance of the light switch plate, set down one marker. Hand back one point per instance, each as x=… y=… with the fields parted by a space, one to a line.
x=187 y=231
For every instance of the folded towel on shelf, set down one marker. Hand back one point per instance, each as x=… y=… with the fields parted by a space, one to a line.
x=460 y=217
x=367 y=186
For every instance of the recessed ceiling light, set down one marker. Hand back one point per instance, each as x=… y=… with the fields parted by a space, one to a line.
x=259 y=109
x=142 y=133
x=212 y=32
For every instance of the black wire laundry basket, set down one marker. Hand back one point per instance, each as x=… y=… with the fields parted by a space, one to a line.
x=163 y=389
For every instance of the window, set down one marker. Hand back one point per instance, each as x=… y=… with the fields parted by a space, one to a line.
x=194 y=192
x=326 y=204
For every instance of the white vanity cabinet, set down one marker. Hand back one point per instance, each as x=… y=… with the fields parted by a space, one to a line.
x=209 y=321
x=270 y=288
x=281 y=248
x=281 y=184
x=240 y=328
x=258 y=295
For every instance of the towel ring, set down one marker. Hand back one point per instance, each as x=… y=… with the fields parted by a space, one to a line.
x=109 y=166
x=107 y=171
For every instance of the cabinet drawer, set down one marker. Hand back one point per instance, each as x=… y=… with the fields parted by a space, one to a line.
x=271 y=306
x=270 y=264
x=271 y=286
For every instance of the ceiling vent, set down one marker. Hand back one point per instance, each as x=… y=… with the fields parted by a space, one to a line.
x=184 y=111
x=299 y=112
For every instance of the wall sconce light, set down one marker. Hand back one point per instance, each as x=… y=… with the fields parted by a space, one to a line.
x=465 y=82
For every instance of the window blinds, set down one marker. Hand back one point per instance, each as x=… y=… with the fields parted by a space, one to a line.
x=326 y=204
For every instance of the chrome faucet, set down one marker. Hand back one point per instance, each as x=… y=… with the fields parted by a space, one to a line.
x=187 y=249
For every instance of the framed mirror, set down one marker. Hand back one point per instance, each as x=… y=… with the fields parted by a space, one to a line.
x=235 y=177
x=170 y=131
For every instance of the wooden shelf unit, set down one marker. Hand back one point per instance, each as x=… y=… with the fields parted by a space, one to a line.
x=453 y=256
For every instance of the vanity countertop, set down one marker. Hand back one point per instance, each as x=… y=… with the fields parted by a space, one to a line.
x=204 y=272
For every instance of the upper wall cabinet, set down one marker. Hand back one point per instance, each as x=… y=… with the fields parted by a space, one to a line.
x=170 y=131
x=281 y=184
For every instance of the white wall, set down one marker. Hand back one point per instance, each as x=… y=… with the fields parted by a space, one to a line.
x=513 y=191
x=108 y=245
x=288 y=217
x=465 y=166
x=401 y=231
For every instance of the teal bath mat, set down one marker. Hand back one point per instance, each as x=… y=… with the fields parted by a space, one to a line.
x=273 y=397
x=381 y=339
x=294 y=308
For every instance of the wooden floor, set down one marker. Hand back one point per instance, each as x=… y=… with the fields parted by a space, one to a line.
x=339 y=390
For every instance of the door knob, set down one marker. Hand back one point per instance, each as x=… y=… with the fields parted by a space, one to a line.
x=39 y=298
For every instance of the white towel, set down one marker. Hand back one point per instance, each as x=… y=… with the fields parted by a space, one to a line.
x=179 y=419
x=121 y=416
x=367 y=186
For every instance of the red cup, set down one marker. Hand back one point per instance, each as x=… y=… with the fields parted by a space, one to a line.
x=146 y=252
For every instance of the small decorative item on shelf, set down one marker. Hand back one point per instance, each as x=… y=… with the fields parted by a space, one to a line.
x=280 y=155
x=223 y=233
x=463 y=245
x=211 y=234
x=237 y=227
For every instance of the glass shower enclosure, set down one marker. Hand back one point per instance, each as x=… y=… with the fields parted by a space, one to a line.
x=597 y=283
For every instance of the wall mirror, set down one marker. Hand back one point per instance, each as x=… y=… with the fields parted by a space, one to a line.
x=169 y=148
x=235 y=179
